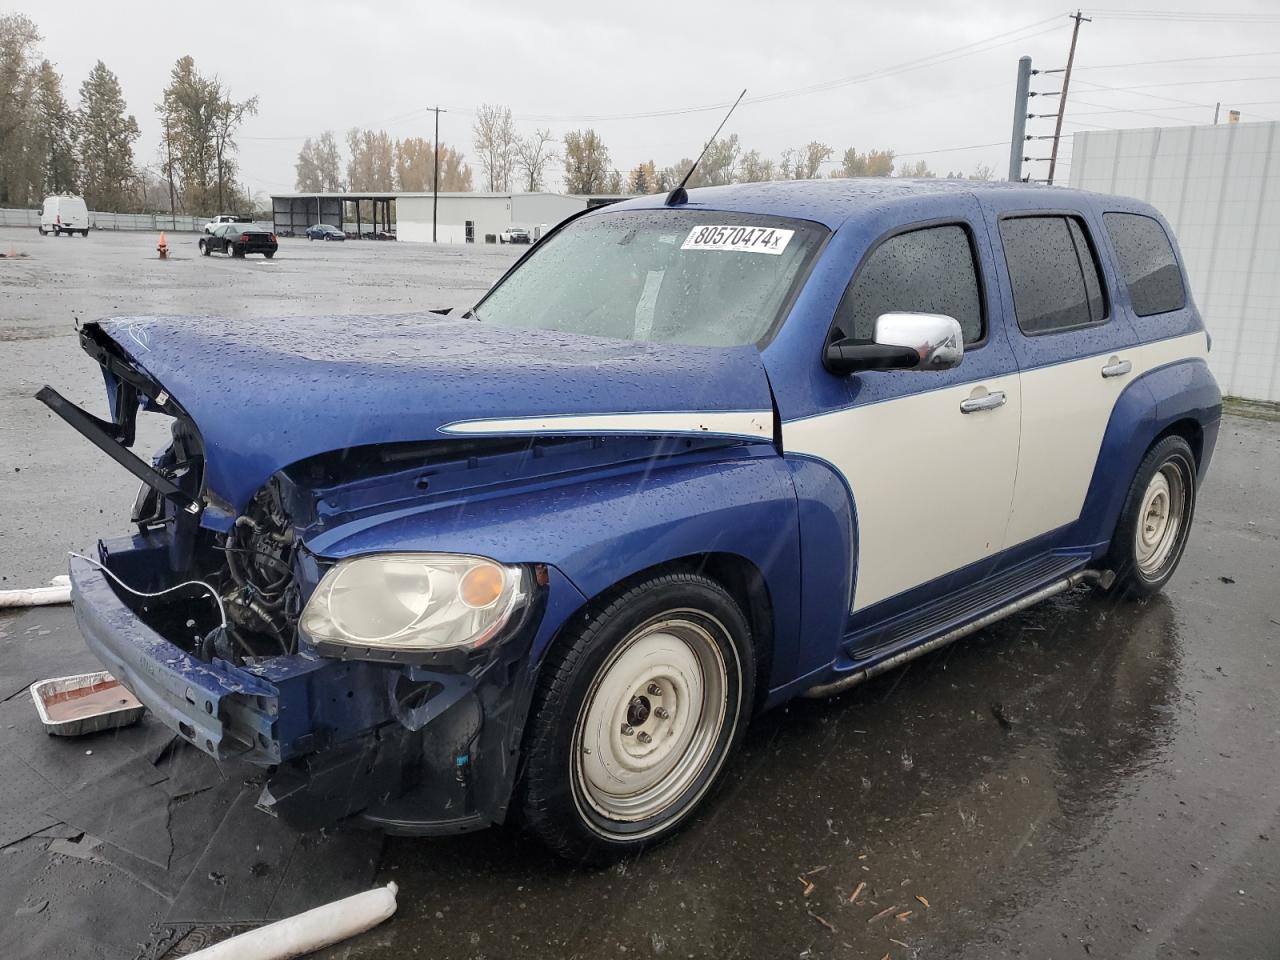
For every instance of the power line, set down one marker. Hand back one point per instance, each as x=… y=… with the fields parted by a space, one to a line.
x=984 y=45
x=1178 y=16
x=1176 y=59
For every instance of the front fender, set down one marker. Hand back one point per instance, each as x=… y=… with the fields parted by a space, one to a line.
x=601 y=529
x=1152 y=403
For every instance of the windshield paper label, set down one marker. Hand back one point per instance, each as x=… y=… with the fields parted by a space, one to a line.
x=741 y=239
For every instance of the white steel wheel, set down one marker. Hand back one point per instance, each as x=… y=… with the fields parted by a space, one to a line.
x=639 y=706
x=652 y=720
x=1160 y=519
x=1156 y=519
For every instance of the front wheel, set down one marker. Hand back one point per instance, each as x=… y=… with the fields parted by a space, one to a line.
x=1156 y=519
x=636 y=712
x=204 y=249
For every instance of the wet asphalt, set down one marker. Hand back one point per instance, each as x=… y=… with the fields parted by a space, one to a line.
x=1087 y=779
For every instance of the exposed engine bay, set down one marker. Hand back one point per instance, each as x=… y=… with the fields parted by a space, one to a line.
x=260 y=594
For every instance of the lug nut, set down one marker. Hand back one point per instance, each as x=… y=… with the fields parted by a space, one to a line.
x=626 y=730
x=655 y=690
x=644 y=737
x=661 y=713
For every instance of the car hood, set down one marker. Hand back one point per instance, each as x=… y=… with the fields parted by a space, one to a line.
x=265 y=394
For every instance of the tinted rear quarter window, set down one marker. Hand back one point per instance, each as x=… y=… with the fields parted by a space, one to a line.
x=1053 y=272
x=930 y=270
x=1147 y=262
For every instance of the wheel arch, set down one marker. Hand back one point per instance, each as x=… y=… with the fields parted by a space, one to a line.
x=740 y=578
x=1180 y=398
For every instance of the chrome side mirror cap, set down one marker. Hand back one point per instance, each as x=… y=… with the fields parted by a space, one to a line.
x=936 y=338
x=903 y=341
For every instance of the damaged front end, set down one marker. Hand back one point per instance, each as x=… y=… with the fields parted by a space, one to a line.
x=405 y=709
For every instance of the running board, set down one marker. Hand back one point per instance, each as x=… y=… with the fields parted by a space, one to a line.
x=860 y=674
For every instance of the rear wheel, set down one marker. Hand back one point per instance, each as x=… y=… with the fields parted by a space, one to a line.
x=636 y=712
x=269 y=254
x=1156 y=520
x=84 y=232
x=236 y=251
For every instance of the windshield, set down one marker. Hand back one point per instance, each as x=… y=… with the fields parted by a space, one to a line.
x=674 y=276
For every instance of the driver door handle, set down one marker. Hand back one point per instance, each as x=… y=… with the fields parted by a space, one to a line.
x=1117 y=368
x=989 y=402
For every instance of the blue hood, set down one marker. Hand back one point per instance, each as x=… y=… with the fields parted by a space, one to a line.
x=267 y=393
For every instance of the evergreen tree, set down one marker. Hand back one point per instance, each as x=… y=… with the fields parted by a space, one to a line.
x=106 y=135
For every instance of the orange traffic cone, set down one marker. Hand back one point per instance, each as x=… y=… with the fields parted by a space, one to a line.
x=162 y=248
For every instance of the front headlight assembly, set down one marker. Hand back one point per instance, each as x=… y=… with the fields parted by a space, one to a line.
x=415 y=602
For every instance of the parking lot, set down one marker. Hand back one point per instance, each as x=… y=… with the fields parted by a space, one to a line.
x=1085 y=779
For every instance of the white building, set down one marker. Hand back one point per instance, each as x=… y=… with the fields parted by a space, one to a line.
x=1219 y=187
x=487 y=213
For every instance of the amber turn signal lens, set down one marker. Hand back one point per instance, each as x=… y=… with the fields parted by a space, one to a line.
x=481 y=586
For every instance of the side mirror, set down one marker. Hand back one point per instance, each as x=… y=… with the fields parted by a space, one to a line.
x=903 y=341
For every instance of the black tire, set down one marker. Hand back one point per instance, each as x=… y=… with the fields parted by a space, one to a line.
x=204 y=249
x=556 y=801
x=1143 y=561
x=235 y=251
x=42 y=231
x=84 y=232
x=269 y=254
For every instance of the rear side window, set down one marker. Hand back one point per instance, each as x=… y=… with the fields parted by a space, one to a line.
x=931 y=270
x=1054 y=274
x=1146 y=259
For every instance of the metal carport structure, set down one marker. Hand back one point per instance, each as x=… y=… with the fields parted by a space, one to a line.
x=292 y=213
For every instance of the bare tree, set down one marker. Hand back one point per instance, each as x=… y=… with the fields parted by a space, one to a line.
x=754 y=168
x=532 y=154
x=228 y=115
x=918 y=170
x=319 y=166
x=495 y=143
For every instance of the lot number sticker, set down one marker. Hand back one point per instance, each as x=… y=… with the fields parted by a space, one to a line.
x=740 y=239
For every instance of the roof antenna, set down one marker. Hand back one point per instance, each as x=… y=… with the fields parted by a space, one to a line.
x=680 y=194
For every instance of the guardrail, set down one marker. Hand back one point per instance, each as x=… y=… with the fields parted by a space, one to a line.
x=113 y=221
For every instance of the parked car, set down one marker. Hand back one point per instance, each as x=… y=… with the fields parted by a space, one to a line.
x=237 y=239
x=64 y=214
x=686 y=461
x=325 y=231
x=226 y=218
x=514 y=235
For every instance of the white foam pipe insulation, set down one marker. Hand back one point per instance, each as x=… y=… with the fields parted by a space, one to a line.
x=308 y=931
x=58 y=591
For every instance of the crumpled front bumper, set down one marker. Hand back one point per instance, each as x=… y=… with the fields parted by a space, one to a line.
x=219 y=708
x=411 y=749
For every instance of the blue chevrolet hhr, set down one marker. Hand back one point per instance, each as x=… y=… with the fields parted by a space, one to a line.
x=690 y=457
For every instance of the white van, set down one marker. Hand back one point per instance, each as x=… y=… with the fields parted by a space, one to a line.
x=64 y=214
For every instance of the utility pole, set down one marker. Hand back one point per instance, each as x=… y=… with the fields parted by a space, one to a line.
x=1217 y=108
x=1018 y=142
x=435 y=175
x=168 y=145
x=1078 y=17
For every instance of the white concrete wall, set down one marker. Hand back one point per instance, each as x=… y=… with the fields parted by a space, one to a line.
x=1219 y=187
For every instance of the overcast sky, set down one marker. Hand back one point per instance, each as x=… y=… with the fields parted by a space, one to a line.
x=566 y=64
